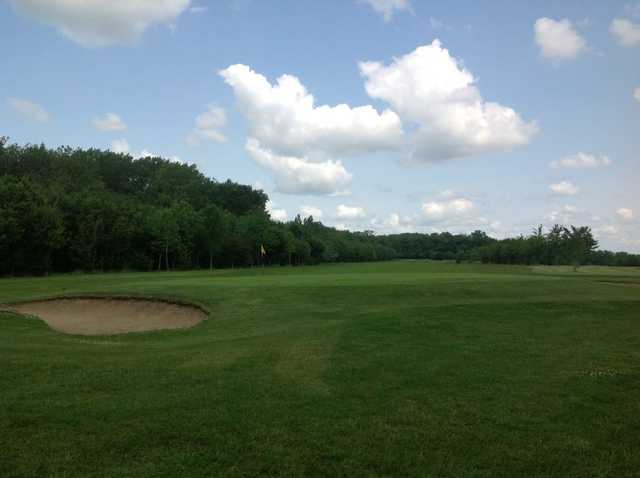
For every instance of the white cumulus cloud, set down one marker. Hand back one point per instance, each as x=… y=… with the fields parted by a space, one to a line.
x=440 y=210
x=276 y=214
x=558 y=39
x=299 y=175
x=350 y=212
x=299 y=141
x=121 y=146
x=208 y=125
x=306 y=211
x=605 y=230
x=626 y=32
x=564 y=188
x=456 y=215
x=101 y=23
x=28 y=109
x=625 y=213
x=387 y=8
x=109 y=122
x=394 y=224
x=581 y=160
x=429 y=94
x=564 y=215
x=430 y=90
x=284 y=117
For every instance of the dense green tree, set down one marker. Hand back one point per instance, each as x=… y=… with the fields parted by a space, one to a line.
x=579 y=244
x=215 y=224
x=86 y=209
x=30 y=227
x=163 y=225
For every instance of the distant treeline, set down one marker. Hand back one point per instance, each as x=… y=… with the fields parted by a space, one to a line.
x=560 y=246
x=90 y=210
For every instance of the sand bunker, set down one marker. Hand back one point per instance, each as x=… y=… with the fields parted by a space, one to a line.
x=97 y=316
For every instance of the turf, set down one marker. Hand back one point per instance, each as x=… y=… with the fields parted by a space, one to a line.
x=389 y=369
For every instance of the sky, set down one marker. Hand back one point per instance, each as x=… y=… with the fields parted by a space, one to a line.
x=383 y=115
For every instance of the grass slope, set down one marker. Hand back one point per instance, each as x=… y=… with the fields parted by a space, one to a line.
x=402 y=368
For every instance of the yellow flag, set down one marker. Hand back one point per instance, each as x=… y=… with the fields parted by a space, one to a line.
x=262 y=251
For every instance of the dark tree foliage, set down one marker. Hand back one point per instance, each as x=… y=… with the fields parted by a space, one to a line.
x=560 y=246
x=74 y=209
x=91 y=210
x=30 y=227
x=436 y=246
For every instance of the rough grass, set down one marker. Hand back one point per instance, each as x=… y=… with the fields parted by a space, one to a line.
x=393 y=369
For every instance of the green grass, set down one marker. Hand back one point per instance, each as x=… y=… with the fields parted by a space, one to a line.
x=393 y=369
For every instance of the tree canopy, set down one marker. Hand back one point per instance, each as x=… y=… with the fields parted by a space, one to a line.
x=85 y=209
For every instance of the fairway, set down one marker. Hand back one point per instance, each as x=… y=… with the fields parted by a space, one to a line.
x=405 y=368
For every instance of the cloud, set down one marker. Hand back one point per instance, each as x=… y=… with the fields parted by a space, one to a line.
x=99 y=23
x=279 y=215
x=145 y=153
x=430 y=90
x=394 y=224
x=350 y=213
x=284 y=117
x=387 y=8
x=626 y=32
x=427 y=90
x=440 y=210
x=605 y=230
x=454 y=221
x=437 y=24
x=447 y=194
x=299 y=175
x=207 y=126
x=121 y=146
x=564 y=188
x=565 y=215
x=636 y=94
x=109 y=122
x=581 y=160
x=558 y=40
x=299 y=141
x=446 y=212
x=625 y=213
x=306 y=211
x=28 y=109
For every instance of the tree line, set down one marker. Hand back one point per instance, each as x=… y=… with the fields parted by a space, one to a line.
x=90 y=210
x=68 y=209
x=560 y=246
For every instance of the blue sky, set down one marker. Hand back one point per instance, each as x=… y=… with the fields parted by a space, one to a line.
x=456 y=115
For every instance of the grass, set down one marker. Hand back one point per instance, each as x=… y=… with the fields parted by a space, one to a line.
x=392 y=369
